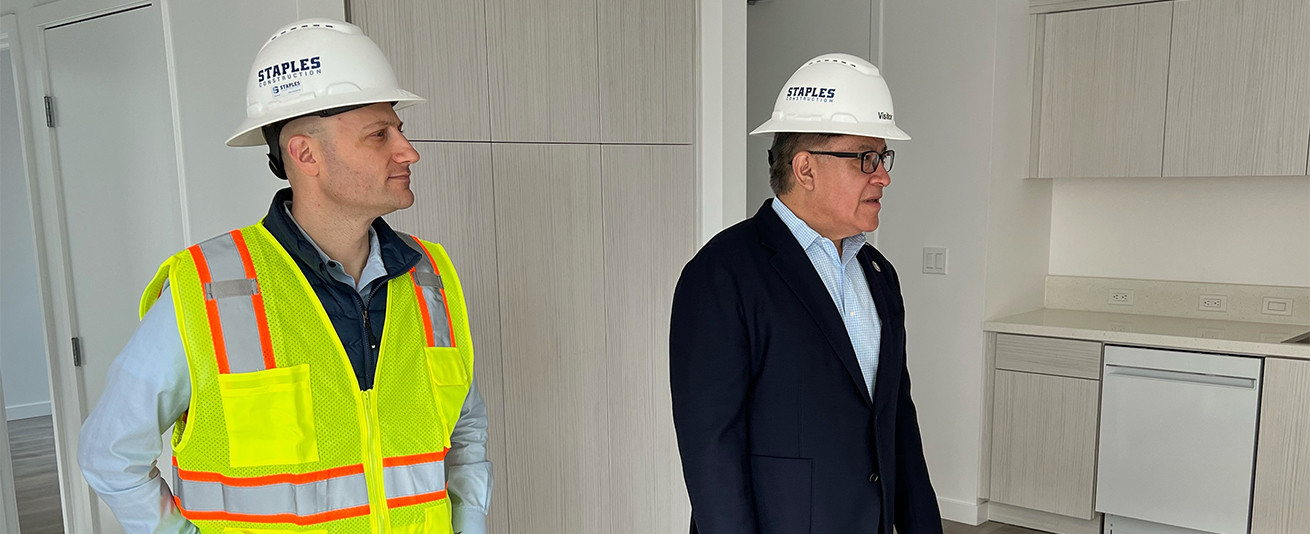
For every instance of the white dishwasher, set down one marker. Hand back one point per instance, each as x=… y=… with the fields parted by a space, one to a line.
x=1177 y=440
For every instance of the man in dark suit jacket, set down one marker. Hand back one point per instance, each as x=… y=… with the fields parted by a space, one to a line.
x=787 y=345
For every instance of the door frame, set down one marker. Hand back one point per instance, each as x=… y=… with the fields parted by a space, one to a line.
x=8 y=496
x=69 y=408
x=9 y=40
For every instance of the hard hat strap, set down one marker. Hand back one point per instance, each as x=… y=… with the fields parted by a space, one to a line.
x=273 y=132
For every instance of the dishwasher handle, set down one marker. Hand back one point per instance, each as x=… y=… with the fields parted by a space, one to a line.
x=1130 y=371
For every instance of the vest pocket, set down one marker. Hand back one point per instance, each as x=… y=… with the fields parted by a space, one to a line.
x=269 y=416
x=450 y=383
x=439 y=517
x=237 y=530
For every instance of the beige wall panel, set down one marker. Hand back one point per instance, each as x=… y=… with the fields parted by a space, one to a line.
x=1239 y=76
x=1282 y=460
x=1044 y=443
x=453 y=206
x=648 y=237
x=646 y=71
x=544 y=70
x=439 y=51
x=552 y=307
x=1104 y=76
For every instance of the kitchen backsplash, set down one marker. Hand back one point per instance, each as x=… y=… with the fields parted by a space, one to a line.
x=1227 y=302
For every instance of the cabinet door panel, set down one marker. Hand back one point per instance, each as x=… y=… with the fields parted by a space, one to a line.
x=439 y=51
x=549 y=258
x=1047 y=355
x=1282 y=459
x=1239 y=76
x=1044 y=442
x=646 y=71
x=648 y=235
x=545 y=70
x=1104 y=77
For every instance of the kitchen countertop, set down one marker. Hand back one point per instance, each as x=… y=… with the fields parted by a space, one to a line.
x=1208 y=335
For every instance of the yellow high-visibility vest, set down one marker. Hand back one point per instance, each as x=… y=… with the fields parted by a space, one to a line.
x=278 y=436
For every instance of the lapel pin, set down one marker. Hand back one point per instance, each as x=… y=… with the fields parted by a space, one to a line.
x=875 y=266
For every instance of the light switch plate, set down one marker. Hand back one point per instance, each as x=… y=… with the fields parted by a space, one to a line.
x=934 y=260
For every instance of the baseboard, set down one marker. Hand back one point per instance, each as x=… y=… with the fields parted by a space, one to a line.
x=969 y=513
x=24 y=411
x=1033 y=519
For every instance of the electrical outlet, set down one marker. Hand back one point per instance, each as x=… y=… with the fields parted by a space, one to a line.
x=1276 y=306
x=1121 y=297
x=1214 y=303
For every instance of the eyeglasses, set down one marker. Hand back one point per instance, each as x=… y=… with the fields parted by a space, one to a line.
x=868 y=159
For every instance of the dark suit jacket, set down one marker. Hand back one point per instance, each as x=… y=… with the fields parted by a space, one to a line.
x=775 y=428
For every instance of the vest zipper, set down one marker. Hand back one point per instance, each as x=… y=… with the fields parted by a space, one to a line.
x=373 y=471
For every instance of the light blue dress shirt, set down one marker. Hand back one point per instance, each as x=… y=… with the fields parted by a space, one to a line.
x=844 y=278
x=148 y=386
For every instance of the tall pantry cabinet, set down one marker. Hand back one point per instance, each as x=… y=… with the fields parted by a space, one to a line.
x=557 y=171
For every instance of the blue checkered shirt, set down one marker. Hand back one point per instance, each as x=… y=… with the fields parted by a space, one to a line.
x=846 y=284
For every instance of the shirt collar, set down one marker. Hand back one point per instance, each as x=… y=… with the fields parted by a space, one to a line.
x=807 y=237
x=397 y=257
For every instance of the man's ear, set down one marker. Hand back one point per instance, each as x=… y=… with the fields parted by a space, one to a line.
x=304 y=154
x=802 y=169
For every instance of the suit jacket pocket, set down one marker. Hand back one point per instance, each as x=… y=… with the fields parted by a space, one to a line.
x=782 y=494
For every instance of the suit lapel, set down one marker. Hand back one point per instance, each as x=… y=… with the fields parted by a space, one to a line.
x=886 y=380
x=796 y=270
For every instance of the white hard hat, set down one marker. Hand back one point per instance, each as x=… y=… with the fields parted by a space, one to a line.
x=314 y=65
x=838 y=94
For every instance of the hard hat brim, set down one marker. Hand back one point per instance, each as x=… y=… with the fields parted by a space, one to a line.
x=249 y=132
x=883 y=131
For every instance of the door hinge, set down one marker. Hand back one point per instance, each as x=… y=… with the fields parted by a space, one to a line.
x=50 y=114
x=77 y=352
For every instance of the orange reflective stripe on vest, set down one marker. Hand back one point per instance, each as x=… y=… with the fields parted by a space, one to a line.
x=234 y=304
x=431 y=294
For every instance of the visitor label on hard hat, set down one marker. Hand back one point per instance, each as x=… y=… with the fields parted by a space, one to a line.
x=811 y=94
x=289 y=70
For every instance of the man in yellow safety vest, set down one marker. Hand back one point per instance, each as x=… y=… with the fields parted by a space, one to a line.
x=317 y=365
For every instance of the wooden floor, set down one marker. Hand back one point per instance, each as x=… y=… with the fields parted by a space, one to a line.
x=985 y=528
x=32 y=444
x=36 y=479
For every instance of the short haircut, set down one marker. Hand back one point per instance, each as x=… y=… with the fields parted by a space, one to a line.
x=785 y=147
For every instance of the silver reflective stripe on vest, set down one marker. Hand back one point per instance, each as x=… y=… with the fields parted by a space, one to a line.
x=231 y=289
x=417 y=479
x=307 y=499
x=426 y=277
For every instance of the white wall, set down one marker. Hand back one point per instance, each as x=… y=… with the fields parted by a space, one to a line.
x=22 y=344
x=782 y=35
x=1222 y=230
x=958 y=73
x=224 y=187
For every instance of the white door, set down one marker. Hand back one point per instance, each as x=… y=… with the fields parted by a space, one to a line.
x=117 y=172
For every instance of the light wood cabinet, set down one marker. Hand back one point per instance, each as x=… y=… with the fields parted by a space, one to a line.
x=647 y=240
x=1239 y=88
x=1044 y=431
x=545 y=75
x=1282 y=458
x=651 y=104
x=438 y=49
x=1103 y=78
x=1182 y=88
